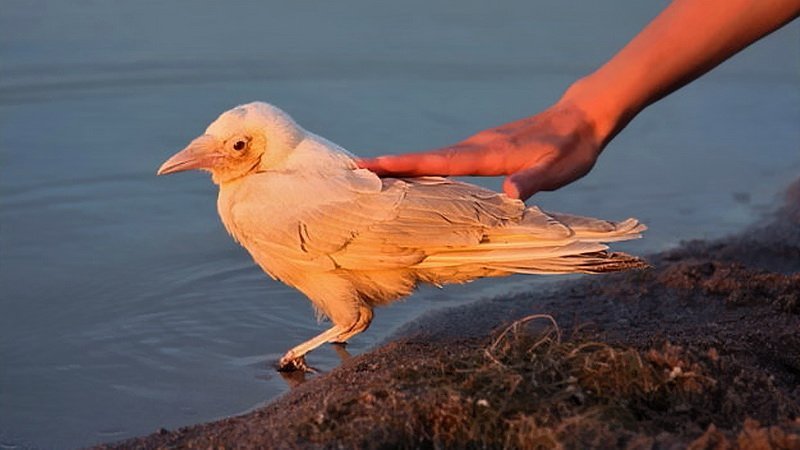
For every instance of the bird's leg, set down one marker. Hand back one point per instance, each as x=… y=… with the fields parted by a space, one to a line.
x=294 y=358
x=361 y=324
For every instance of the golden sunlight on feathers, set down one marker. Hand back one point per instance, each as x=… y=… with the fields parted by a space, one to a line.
x=350 y=241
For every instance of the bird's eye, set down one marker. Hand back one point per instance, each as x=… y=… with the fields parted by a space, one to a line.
x=239 y=145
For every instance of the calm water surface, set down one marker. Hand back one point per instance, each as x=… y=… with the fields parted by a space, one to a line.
x=125 y=307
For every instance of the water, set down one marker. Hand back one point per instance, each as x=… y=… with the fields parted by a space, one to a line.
x=125 y=307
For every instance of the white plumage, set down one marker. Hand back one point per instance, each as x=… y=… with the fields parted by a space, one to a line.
x=351 y=241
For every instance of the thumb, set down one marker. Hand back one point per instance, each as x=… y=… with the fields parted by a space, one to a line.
x=525 y=183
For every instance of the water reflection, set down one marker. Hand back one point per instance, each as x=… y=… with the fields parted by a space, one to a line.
x=294 y=378
x=341 y=351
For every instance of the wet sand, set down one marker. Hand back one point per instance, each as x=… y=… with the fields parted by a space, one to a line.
x=702 y=350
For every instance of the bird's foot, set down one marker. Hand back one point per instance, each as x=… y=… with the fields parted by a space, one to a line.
x=291 y=363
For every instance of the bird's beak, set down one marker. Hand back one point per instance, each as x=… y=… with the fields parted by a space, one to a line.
x=201 y=153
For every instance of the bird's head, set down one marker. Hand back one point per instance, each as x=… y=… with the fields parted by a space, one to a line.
x=245 y=139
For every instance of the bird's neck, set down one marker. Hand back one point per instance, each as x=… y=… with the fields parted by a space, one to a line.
x=225 y=202
x=315 y=154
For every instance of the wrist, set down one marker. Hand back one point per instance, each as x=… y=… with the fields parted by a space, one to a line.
x=606 y=112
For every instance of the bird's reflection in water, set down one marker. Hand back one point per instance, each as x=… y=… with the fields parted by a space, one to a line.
x=341 y=351
x=295 y=378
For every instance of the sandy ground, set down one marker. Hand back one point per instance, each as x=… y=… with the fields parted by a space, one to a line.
x=702 y=351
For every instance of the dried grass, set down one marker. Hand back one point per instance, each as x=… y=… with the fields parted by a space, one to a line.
x=525 y=389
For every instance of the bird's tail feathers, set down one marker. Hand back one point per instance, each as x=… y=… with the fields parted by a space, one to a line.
x=574 y=244
x=599 y=262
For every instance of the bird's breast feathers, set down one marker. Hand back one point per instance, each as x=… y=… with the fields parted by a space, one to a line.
x=290 y=219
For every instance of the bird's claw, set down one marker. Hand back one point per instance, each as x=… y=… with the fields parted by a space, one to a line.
x=291 y=363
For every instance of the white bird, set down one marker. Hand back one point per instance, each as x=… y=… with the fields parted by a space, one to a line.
x=351 y=241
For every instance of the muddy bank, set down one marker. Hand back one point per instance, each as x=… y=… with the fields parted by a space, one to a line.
x=703 y=351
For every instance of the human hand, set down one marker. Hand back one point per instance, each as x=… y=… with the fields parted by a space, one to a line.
x=539 y=153
x=561 y=144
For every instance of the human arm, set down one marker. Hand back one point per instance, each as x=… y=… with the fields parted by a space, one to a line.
x=562 y=143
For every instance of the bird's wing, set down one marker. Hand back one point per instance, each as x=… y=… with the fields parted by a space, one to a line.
x=430 y=214
x=350 y=222
x=300 y=218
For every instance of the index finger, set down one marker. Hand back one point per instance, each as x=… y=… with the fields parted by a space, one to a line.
x=447 y=161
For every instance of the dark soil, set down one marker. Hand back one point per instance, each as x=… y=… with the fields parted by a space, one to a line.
x=701 y=352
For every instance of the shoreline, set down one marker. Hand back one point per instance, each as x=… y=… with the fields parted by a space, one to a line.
x=712 y=334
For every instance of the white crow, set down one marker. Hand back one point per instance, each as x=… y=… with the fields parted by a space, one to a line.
x=351 y=241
